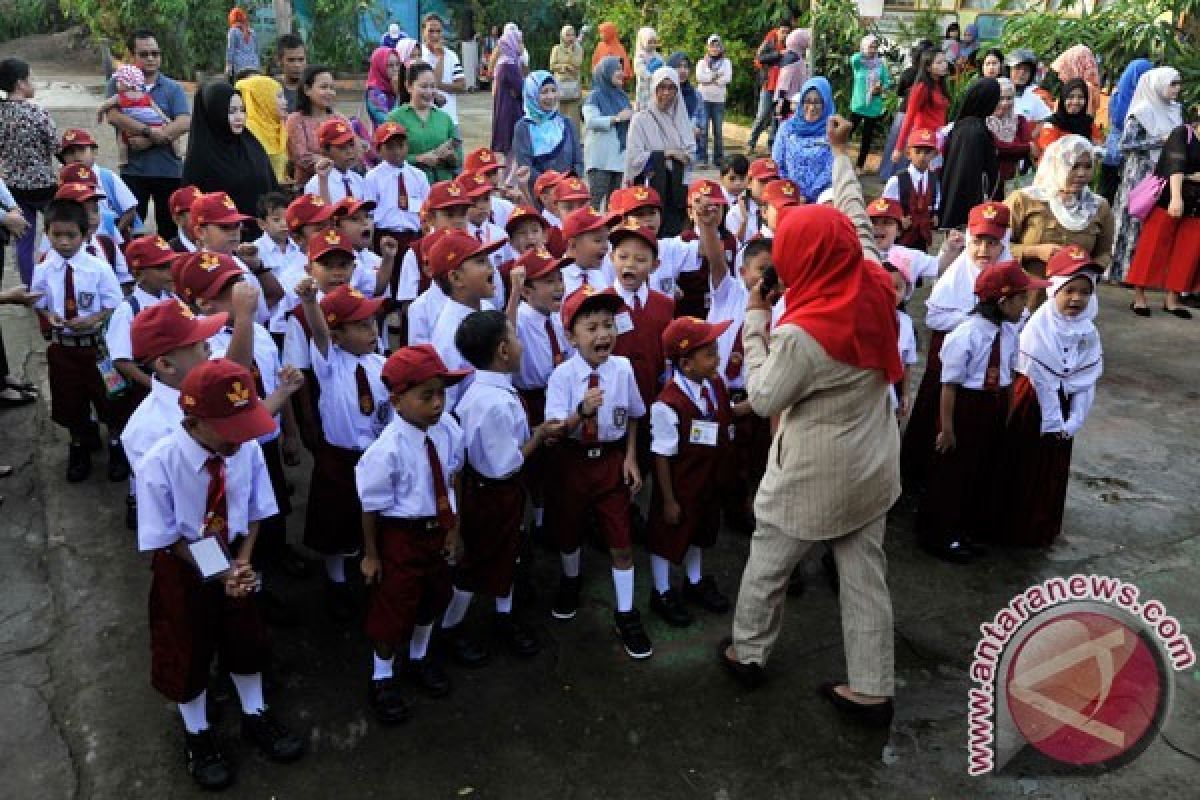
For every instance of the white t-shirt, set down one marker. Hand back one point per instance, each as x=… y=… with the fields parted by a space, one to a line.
x=451 y=71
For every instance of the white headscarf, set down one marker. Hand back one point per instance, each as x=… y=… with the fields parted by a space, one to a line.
x=653 y=129
x=1004 y=128
x=1051 y=178
x=644 y=35
x=955 y=289
x=1060 y=351
x=1157 y=115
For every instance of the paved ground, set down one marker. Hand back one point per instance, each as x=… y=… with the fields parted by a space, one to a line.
x=79 y=719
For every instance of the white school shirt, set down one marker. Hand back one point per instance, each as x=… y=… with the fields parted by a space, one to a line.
x=172 y=491
x=262 y=314
x=675 y=256
x=552 y=219
x=451 y=71
x=116 y=336
x=342 y=420
x=93 y=248
x=382 y=187
x=923 y=264
x=423 y=314
x=410 y=277
x=494 y=425
x=966 y=350
x=366 y=271
x=891 y=189
x=442 y=339
x=622 y=401
x=664 y=421
x=729 y=303
x=733 y=219
x=393 y=475
x=155 y=418
x=597 y=277
x=283 y=261
x=502 y=209
x=295 y=352
x=906 y=343
x=338 y=181
x=266 y=358
x=537 y=357
x=96 y=286
x=187 y=243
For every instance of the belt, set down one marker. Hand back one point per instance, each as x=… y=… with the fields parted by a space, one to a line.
x=415 y=524
x=75 y=340
x=594 y=450
x=472 y=474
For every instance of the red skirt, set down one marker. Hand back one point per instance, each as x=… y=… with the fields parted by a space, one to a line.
x=190 y=622
x=333 y=518
x=917 y=449
x=1035 y=470
x=492 y=513
x=415 y=587
x=958 y=501
x=76 y=386
x=581 y=483
x=1167 y=254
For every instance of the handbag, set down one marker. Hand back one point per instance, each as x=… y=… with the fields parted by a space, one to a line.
x=1144 y=197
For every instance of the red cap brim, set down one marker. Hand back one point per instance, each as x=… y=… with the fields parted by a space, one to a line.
x=988 y=229
x=367 y=309
x=249 y=423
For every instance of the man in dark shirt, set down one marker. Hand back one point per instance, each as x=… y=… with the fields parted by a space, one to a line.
x=153 y=167
x=293 y=59
x=767 y=59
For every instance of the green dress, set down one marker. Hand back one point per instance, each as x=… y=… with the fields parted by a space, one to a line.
x=426 y=135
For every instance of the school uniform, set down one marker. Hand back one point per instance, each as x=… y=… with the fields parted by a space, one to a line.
x=754 y=220
x=591 y=459
x=488 y=233
x=101 y=245
x=341 y=184
x=82 y=285
x=192 y=620
x=556 y=243
x=442 y=338
x=919 y=194
x=116 y=338
x=180 y=243
x=366 y=271
x=354 y=410
x=543 y=347
x=495 y=428
x=907 y=345
x=502 y=209
x=691 y=424
x=923 y=264
x=288 y=264
x=154 y=419
x=398 y=193
x=395 y=479
x=980 y=357
x=599 y=277
x=690 y=282
x=640 y=327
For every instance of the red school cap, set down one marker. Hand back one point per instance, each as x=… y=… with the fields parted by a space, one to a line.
x=182 y=199
x=348 y=206
x=334 y=131
x=453 y=248
x=686 y=334
x=307 y=209
x=540 y=262
x=413 y=365
x=79 y=192
x=326 y=242
x=585 y=298
x=922 y=137
x=221 y=392
x=388 y=131
x=481 y=160
x=149 y=251
x=347 y=304
x=547 y=180
x=216 y=208
x=623 y=232
x=583 y=220
x=763 y=169
x=170 y=325
x=709 y=190
x=475 y=184
x=988 y=219
x=203 y=274
x=521 y=213
x=885 y=208
x=632 y=198
x=78 y=173
x=1004 y=280
x=1070 y=261
x=782 y=193
x=75 y=137
x=571 y=188
x=446 y=194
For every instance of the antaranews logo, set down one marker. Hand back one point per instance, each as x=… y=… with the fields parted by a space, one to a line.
x=1077 y=668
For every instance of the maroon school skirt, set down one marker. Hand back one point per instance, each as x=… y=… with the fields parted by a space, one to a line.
x=333 y=518
x=492 y=513
x=76 y=386
x=1035 y=471
x=415 y=587
x=917 y=448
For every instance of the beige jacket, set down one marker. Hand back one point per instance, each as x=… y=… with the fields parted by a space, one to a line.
x=834 y=464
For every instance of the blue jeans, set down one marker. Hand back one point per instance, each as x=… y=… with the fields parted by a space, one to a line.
x=714 y=113
x=764 y=120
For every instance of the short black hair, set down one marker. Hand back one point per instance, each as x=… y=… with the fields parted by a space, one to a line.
x=738 y=165
x=288 y=41
x=270 y=202
x=62 y=154
x=12 y=70
x=756 y=246
x=68 y=211
x=140 y=33
x=479 y=337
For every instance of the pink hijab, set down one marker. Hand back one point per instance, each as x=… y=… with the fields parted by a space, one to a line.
x=377 y=73
x=793 y=76
x=1078 y=61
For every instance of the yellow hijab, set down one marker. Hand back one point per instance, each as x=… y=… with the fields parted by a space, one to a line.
x=259 y=93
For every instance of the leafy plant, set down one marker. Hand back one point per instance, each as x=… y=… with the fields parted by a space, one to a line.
x=24 y=17
x=333 y=40
x=191 y=33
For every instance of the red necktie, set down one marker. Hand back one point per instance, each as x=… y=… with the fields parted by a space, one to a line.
x=555 y=349
x=346 y=186
x=91 y=250
x=591 y=425
x=733 y=367
x=445 y=514
x=366 y=399
x=991 y=379
x=70 y=305
x=216 y=516
x=401 y=192
x=637 y=304
x=708 y=402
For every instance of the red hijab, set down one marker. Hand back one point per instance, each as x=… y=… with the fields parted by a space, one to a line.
x=238 y=19
x=834 y=293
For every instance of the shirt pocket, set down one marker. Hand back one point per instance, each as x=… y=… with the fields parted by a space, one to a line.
x=87 y=292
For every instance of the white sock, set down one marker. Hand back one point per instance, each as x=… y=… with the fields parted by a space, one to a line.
x=249 y=689
x=459 y=603
x=195 y=713
x=623 y=583
x=661 y=569
x=383 y=667
x=538 y=513
x=418 y=645
x=504 y=604
x=335 y=568
x=693 y=562
x=570 y=564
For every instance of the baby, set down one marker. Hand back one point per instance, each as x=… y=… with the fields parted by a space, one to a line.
x=133 y=101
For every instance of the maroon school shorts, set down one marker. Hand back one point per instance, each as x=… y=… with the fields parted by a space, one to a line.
x=492 y=513
x=416 y=586
x=588 y=477
x=75 y=385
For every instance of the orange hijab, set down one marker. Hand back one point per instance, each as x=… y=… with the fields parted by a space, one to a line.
x=238 y=19
x=610 y=45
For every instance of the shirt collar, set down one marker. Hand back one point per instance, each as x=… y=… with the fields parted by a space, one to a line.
x=163 y=393
x=500 y=380
x=185 y=241
x=409 y=432
x=642 y=294
x=195 y=455
x=689 y=386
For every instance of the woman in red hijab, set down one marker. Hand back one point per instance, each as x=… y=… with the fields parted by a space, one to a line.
x=833 y=470
x=241 y=45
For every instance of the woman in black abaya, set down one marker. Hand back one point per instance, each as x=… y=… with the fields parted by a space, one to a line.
x=969 y=169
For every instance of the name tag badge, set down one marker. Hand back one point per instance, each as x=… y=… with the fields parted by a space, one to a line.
x=86 y=299
x=620 y=417
x=732 y=431
x=624 y=322
x=703 y=432
x=209 y=557
x=668 y=286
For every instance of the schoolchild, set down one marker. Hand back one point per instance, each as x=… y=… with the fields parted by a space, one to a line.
x=335 y=177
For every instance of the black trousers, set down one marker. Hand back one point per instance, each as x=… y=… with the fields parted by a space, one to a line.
x=869 y=125
x=159 y=189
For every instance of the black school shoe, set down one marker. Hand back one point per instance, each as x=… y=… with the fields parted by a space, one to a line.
x=205 y=762
x=79 y=462
x=387 y=703
x=131 y=513
x=706 y=595
x=878 y=715
x=633 y=636
x=670 y=607
x=271 y=737
x=516 y=636
x=428 y=674
x=464 y=649
x=750 y=676
x=566 y=601
x=90 y=436
x=118 y=464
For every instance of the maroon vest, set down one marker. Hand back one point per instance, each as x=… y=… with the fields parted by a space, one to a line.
x=643 y=345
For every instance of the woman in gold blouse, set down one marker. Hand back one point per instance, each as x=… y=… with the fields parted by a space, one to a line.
x=1060 y=209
